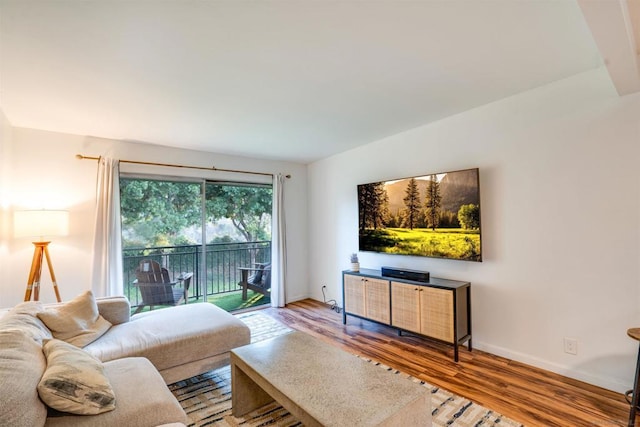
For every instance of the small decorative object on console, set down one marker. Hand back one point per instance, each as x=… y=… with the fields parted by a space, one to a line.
x=355 y=265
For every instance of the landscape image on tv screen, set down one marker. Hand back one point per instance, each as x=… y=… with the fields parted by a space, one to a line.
x=435 y=215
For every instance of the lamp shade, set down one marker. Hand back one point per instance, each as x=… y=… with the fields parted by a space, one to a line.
x=42 y=223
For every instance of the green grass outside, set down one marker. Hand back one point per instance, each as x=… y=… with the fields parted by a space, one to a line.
x=230 y=301
x=441 y=242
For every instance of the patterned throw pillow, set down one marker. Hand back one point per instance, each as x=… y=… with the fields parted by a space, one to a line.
x=74 y=381
x=77 y=322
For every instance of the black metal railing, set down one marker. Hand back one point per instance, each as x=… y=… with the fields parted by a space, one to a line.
x=219 y=275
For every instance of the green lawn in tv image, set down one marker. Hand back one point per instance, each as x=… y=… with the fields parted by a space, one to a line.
x=453 y=243
x=435 y=215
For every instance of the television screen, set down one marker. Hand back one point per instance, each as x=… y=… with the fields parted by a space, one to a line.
x=435 y=215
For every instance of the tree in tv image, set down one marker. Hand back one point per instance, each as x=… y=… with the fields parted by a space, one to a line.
x=435 y=215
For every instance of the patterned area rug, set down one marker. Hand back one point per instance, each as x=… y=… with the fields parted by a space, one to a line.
x=206 y=398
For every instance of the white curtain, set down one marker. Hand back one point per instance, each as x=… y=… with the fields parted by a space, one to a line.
x=107 y=277
x=278 y=245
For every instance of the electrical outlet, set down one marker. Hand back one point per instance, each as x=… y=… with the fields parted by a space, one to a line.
x=571 y=346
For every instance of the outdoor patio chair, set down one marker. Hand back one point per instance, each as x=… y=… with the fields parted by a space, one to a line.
x=156 y=288
x=257 y=279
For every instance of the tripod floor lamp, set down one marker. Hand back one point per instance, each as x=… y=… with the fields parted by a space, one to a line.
x=42 y=224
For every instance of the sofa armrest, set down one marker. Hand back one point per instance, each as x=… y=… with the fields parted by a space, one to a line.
x=115 y=309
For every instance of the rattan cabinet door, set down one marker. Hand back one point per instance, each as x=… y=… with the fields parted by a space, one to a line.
x=405 y=307
x=436 y=318
x=354 y=295
x=377 y=300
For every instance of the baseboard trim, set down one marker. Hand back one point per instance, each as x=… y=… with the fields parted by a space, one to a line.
x=612 y=384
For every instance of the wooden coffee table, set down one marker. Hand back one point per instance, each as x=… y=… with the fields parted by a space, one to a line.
x=322 y=385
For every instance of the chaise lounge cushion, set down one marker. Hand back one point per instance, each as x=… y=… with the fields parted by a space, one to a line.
x=173 y=336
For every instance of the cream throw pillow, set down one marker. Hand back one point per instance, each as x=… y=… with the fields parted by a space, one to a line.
x=77 y=321
x=74 y=381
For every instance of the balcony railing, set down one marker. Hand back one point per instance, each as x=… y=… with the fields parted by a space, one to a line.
x=220 y=273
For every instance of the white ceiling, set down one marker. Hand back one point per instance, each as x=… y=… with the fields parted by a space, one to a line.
x=293 y=80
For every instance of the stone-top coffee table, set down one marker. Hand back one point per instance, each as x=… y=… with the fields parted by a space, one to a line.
x=322 y=385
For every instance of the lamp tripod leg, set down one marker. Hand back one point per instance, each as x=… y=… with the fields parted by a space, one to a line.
x=33 y=283
x=53 y=276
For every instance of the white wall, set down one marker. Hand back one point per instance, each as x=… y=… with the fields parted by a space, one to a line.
x=5 y=176
x=45 y=174
x=560 y=188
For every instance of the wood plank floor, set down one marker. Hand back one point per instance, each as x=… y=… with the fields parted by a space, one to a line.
x=532 y=396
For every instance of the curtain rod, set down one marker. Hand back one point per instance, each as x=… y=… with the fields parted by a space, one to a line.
x=212 y=168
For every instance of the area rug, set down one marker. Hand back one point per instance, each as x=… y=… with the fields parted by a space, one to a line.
x=206 y=398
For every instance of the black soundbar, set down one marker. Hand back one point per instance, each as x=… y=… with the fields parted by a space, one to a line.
x=418 y=276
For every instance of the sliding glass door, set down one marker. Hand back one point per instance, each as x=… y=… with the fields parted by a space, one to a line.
x=209 y=229
x=238 y=235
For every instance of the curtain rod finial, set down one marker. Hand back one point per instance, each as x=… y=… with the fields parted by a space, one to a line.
x=79 y=156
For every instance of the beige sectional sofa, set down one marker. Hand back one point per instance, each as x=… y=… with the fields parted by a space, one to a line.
x=140 y=354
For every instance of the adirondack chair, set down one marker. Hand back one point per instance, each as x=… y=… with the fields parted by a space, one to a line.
x=156 y=288
x=257 y=279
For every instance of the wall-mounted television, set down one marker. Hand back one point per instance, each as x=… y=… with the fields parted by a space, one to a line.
x=433 y=215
